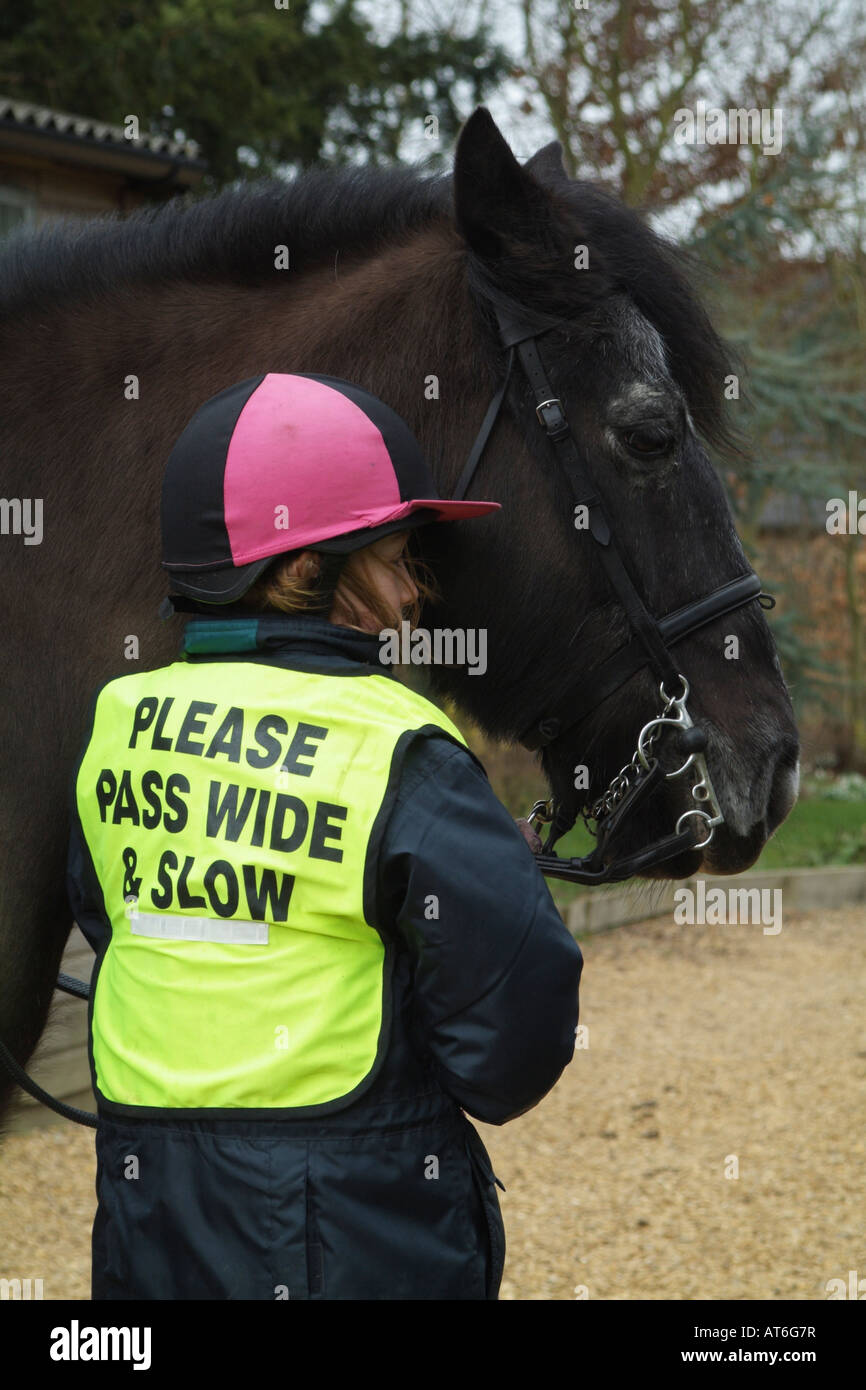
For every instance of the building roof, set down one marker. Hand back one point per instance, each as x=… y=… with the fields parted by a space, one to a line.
x=783 y=511
x=25 y=113
x=85 y=140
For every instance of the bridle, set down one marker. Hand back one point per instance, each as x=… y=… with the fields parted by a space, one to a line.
x=649 y=646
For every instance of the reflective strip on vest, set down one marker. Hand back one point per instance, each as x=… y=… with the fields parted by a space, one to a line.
x=198 y=929
x=233 y=811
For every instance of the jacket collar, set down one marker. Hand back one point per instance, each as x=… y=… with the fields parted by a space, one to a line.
x=274 y=632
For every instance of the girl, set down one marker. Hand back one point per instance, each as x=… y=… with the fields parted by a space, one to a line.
x=320 y=938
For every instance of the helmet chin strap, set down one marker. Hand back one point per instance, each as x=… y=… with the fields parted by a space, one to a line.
x=179 y=603
x=327 y=578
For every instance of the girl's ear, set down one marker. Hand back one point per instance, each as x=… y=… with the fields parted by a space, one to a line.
x=304 y=564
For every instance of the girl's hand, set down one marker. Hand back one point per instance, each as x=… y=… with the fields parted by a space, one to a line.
x=529 y=834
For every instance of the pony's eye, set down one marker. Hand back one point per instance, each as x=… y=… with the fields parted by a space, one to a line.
x=647 y=441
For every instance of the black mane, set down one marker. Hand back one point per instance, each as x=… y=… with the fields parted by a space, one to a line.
x=230 y=236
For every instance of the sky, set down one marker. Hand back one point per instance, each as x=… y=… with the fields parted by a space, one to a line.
x=527 y=132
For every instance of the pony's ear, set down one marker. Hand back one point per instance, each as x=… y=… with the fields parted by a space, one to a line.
x=548 y=165
x=495 y=200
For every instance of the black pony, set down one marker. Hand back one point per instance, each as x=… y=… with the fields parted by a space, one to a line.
x=112 y=333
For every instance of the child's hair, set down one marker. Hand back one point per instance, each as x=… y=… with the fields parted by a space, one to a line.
x=295 y=593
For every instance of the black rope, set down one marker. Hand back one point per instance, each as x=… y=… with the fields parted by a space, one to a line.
x=81 y=990
x=18 y=1074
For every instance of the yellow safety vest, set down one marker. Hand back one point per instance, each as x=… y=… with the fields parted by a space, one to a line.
x=234 y=812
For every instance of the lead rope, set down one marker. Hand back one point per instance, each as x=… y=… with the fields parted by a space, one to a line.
x=69 y=985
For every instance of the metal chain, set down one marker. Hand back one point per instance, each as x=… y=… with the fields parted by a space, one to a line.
x=542 y=811
x=627 y=777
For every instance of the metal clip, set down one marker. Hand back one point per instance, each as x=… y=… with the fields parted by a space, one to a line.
x=683 y=720
x=541 y=811
x=702 y=790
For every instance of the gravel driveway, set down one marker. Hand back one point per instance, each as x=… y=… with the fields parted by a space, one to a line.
x=711 y=1050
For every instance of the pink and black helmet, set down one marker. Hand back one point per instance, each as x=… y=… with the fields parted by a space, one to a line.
x=289 y=462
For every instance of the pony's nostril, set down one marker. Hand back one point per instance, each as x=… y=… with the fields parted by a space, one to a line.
x=784 y=789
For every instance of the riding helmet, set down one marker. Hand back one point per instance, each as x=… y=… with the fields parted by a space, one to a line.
x=285 y=462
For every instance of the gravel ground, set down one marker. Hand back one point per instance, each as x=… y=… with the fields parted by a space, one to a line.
x=705 y=1044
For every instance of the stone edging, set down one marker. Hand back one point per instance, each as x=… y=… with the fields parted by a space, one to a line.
x=804 y=890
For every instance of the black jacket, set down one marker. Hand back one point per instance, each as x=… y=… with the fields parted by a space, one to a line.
x=392 y=1197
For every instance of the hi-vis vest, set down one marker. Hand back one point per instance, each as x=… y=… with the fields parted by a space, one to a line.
x=234 y=812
